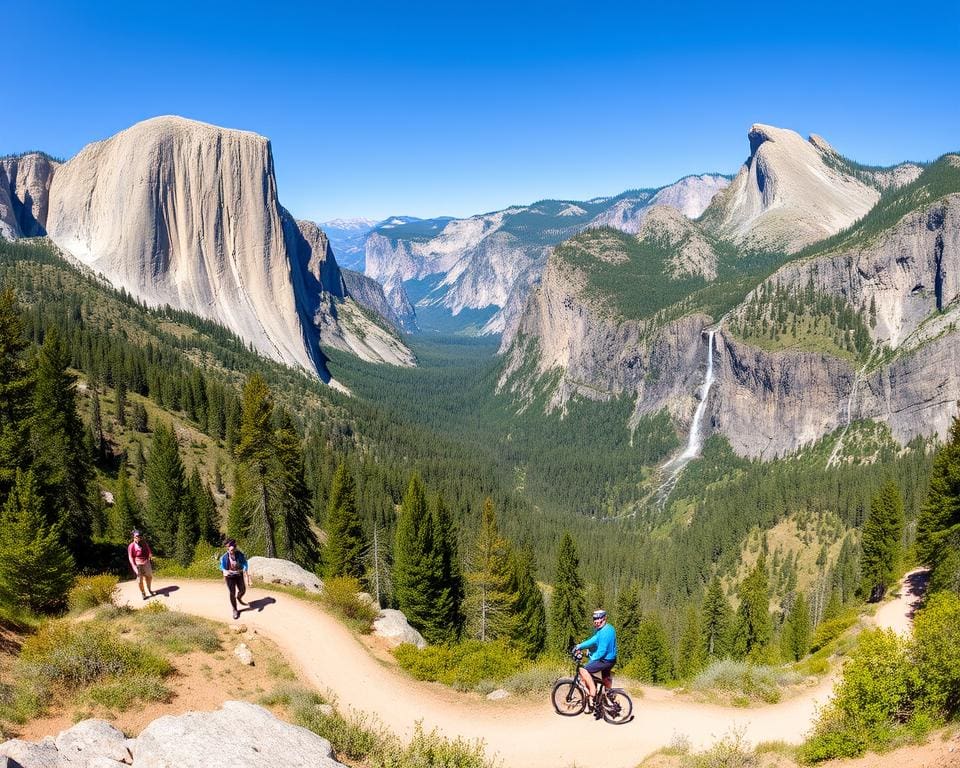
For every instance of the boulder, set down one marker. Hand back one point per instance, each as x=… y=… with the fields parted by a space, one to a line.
x=240 y=735
x=27 y=754
x=273 y=570
x=498 y=694
x=244 y=654
x=392 y=626
x=91 y=739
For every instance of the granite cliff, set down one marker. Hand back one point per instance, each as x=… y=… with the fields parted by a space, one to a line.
x=25 y=194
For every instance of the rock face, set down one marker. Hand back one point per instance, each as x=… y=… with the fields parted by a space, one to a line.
x=492 y=260
x=25 y=194
x=340 y=319
x=274 y=570
x=788 y=194
x=368 y=293
x=183 y=213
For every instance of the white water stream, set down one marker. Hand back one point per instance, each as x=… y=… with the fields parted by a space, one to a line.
x=675 y=466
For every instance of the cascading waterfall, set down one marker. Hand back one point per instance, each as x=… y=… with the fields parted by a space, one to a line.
x=675 y=466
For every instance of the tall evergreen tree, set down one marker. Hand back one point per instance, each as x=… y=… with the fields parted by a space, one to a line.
x=628 y=617
x=204 y=509
x=165 y=489
x=61 y=459
x=796 y=629
x=125 y=514
x=490 y=599
x=652 y=661
x=753 y=627
x=343 y=553
x=15 y=392
x=255 y=453
x=188 y=533
x=449 y=588
x=413 y=566
x=881 y=542
x=297 y=541
x=938 y=525
x=36 y=568
x=691 y=657
x=568 y=608
x=530 y=628
x=717 y=618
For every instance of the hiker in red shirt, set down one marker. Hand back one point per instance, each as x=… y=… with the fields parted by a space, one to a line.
x=140 y=555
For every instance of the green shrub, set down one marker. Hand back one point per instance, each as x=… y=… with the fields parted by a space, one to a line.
x=936 y=653
x=828 y=631
x=178 y=632
x=431 y=750
x=463 y=665
x=833 y=736
x=205 y=564
x=877 y=680
x=538 y=678
x=356 y=737
x=341 y=595
x=741 y=677
x=732 y=751
x=90 y=591
x=120 y=694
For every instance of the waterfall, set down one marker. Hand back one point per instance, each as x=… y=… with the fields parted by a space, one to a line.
x=694 y=442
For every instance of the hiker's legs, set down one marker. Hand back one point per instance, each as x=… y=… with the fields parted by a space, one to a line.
x=241 y=588
x=232 y=584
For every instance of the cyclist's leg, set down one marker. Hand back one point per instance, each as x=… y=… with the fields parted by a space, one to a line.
x=587 y=679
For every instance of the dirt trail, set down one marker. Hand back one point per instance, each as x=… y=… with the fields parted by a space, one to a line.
x=522 y=734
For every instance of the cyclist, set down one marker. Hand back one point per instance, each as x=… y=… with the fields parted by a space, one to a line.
x=602 y=659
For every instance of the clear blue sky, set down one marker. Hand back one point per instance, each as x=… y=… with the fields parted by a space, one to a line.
x=428 y=108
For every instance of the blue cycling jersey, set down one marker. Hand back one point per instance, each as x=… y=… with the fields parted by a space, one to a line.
x=605 y=641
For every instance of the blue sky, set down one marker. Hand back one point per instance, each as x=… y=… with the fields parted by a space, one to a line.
x=427 y=109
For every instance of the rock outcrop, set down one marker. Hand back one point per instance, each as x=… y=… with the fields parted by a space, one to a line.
x=25 y=194
x=392 y=626
x=788 y=194
x=368 y=293
x=184 y=213
x=690 y=196
x=274 y=570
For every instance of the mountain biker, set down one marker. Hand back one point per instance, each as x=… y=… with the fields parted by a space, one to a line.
x=602 y=659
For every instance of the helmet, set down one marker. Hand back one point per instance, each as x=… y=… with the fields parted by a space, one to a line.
x=599 y=614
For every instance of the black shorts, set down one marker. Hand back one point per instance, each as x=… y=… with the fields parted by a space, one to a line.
x=599 y=666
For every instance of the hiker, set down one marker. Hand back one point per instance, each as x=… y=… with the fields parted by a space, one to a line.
x=140 y=556
x=235 y=573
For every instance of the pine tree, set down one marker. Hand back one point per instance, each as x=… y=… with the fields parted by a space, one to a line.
x=716 y=619
x=753 y=627
x=690 y=653
x=204 y=509
x=125 y=514
x=61 y=460
x=36 y=568
x=530 y=628
x=448 y=618
x=255 y=454
x=412 y=560
x=796 y=629
x=490 y=601
x=378 y=573
x=938 y=525
x=297 y=541
x=652 y=661
x=880 y=543
x=15 y=392
x=343 y=553
x=628 y=617
x=568 y=608
x=122 y=402
x=165 y=489
x=96 y=425
x=188 y=533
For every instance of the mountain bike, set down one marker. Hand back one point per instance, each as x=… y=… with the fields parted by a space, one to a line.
x=570 y=697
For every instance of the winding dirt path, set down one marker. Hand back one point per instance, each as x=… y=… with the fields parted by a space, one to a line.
x=523 y=734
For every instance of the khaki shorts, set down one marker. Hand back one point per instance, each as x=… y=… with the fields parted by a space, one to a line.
x=145 y=569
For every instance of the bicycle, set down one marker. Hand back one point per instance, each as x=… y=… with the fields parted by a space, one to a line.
x=570 y=697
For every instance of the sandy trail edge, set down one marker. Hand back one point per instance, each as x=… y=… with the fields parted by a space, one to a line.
x=520 y=733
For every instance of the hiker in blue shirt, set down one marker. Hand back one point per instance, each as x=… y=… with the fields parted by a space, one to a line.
x=602 y=656
x=235 y=573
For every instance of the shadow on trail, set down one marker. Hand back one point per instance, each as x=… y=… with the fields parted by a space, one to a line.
x=259 y=604
x=165 y=591
x=917 y=588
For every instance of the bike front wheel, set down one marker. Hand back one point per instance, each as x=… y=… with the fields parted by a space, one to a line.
x=568 y=697
x=617 y=706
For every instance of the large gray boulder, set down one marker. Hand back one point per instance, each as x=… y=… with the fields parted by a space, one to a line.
x=27 y=754
x=392 y=626
x=88 y=741
x=239 y=735
x=273 y=570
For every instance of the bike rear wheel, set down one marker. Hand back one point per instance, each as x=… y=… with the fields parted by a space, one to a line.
x=568 y=697
x=617 y=706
